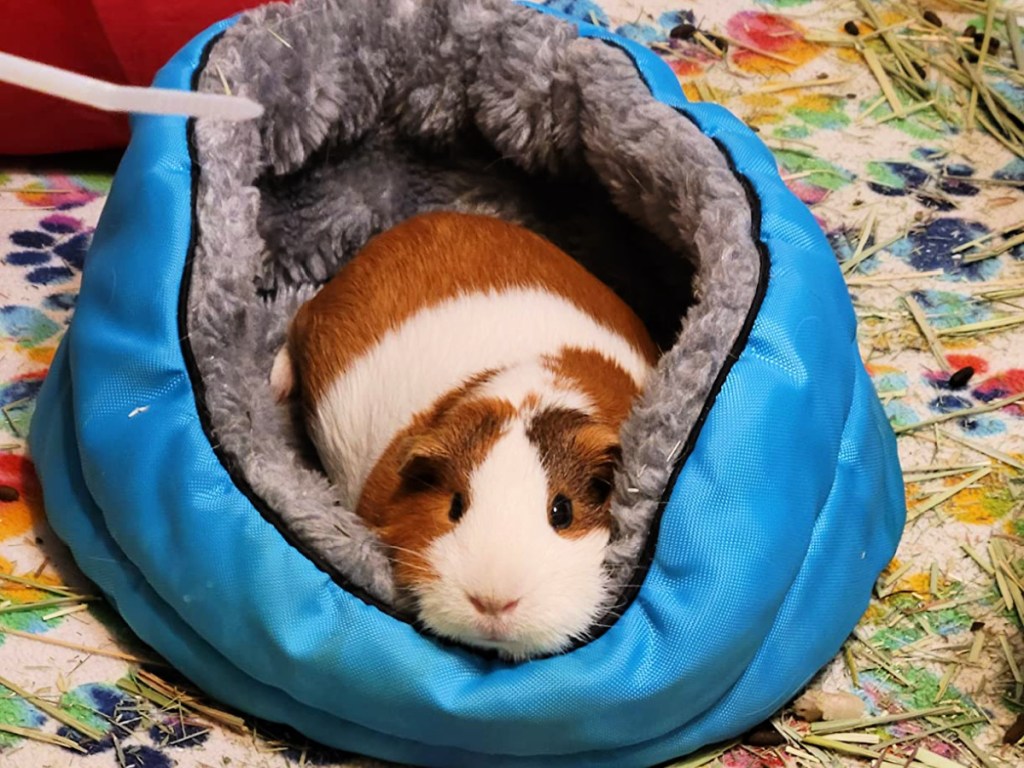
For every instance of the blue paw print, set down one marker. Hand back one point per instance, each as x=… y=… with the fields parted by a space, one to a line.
x=931 y=247
x=53 y=255
x=117 y=716
x=179 y=733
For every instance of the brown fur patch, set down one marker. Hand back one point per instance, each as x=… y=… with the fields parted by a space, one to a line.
x=408 y=495
x=426 y=260
x=603 y=381
x=579 y=454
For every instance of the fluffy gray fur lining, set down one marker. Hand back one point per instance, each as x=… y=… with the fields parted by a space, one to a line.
x=376 y=110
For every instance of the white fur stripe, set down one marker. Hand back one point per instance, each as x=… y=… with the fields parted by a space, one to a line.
x=435 y=351
x=533 y=378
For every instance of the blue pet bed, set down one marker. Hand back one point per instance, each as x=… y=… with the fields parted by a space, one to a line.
x=760 y=493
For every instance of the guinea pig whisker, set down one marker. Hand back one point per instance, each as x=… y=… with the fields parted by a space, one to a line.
x=413 y=552
x=418 y=568
x=415 y=567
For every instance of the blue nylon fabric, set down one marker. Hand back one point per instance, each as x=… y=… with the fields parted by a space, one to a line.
x=769 y=527
x=76 y=518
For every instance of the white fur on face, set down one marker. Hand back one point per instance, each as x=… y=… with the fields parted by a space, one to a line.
x=437 y=350
x=505 y=550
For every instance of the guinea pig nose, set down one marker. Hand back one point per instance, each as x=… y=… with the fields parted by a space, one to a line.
x=492 y=606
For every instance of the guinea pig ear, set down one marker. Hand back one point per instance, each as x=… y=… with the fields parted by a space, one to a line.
x=600 y=445
x=599 y=442
x=421 y=460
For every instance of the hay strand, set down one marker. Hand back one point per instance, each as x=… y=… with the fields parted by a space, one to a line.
x=938 y=498
x=167 y=696
x=47 y=640
x=759 y=51
x=35 y=584
x=981 y=448
x=42 y=736
x=838 y=726
x=927 y=332
x=1013 y=36
x=995 y=405
x=984 y=326
x=799 y=85
x=53 y=711
x=875 y=65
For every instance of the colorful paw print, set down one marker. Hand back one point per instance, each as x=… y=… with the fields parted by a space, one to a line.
x=19 y=713
x=53 y=254
x=967 y=384
x=957 y=393
x=659 y=29
x=777 y=35
x=933 y=246
x=1012 y=171
x=844 y=242
x=948 y=309
x=26 y=326
x=21 y=503
x=35 y=619
x=63 y=192
x=673 y=32
x=898 y=179
x=1003 y=384
x=18 y=397
x=52 y=257
x=812 y=178
x=31 y=332
x=116 y=715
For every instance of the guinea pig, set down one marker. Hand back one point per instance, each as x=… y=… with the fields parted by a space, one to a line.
x=464 y=381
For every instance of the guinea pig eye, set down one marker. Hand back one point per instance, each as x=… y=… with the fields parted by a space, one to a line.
x=456 y=509
x=560 y=515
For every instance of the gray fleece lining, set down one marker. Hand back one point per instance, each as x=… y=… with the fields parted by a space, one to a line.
x=379 y=109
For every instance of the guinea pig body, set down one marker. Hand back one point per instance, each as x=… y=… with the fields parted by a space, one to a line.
x=463 y=381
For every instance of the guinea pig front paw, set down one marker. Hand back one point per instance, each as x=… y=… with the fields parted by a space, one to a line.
x=282 y=375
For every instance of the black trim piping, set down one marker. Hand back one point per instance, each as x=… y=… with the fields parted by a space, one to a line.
x=240 y=481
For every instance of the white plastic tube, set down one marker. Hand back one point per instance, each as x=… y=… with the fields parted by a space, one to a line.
x=123 y=98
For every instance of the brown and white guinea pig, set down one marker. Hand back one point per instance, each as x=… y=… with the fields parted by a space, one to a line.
x=464 y=381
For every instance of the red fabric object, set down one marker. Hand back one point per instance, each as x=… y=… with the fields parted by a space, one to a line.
x=124 y=41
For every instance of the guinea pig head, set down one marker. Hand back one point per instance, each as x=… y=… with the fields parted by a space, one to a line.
x=497 y=519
